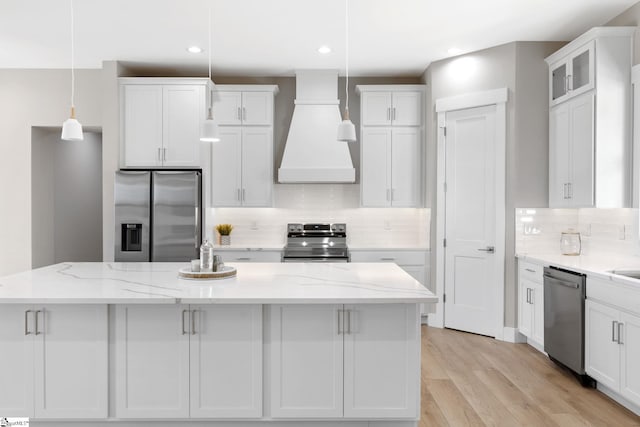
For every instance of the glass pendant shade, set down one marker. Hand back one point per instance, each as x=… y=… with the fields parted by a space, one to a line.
x=72 y=129
x=209 y=131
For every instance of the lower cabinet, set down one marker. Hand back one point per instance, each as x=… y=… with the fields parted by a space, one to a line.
x=351 y=361
x=180 y=361
x=55 y=359
x=612 y=345
x=531 y=310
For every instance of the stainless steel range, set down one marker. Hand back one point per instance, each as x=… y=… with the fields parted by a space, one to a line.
x=316 y=243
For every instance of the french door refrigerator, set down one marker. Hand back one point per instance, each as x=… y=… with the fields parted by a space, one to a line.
x=158 y=215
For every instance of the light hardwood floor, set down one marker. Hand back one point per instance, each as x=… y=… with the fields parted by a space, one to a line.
x=471 y=380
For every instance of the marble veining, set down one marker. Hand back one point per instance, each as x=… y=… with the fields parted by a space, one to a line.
x=256 y=283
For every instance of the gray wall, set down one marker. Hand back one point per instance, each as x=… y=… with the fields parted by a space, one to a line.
x=520 y=68
x=33 y=98
x=631 y=18
x=66 y=198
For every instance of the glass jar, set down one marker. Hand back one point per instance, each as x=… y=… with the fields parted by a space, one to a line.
x=570 y=243
x=206 y=256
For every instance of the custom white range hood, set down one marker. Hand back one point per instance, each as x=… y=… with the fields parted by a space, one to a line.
x=312 y=153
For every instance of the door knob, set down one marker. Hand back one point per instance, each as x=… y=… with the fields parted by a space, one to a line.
x=489 y=249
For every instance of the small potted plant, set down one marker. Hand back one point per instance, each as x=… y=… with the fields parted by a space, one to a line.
x=224 y=233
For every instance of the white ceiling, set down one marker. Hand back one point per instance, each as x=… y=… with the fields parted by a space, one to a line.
x=274 y=37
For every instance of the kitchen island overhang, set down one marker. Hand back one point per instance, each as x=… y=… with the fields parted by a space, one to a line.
x=323 y=343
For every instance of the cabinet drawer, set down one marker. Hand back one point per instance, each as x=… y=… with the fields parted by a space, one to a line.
x=621 y=295
x=530 y=271
x=249 y=256
x=399 y=257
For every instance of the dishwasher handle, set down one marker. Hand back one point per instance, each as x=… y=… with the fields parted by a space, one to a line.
x=555 y=281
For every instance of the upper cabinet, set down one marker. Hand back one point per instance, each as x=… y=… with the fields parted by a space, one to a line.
x=590 y=120
x=160 y=121
x=390 y=108
x=243 y=108
x=242 y=161
x=391 y=145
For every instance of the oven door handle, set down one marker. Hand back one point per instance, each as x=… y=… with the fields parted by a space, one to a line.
x=555 y=281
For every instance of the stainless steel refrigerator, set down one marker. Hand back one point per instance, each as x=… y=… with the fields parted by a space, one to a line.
x=158 y=215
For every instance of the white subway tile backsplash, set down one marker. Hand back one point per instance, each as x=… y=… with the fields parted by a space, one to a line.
x=367 y=227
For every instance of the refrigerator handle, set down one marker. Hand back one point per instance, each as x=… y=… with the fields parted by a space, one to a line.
x=198 y=209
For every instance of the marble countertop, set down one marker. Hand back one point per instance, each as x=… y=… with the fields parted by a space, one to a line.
x=595 y=265
x=255 y=283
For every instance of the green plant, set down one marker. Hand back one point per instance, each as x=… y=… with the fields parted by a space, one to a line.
x=224 y=229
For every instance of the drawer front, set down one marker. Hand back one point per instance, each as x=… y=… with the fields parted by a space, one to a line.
x=398 y=257
x=620 y=295
x=530 y=271
x=250 y=256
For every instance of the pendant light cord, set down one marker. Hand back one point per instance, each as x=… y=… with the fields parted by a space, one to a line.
x=346 y=30
x=73 y=75
x=210 y=114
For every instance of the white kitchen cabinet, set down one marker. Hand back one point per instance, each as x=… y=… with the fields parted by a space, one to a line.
x=242 y=167
x=60 y=368
x=243 y=107
x=226 y=361
x=390 y=107
x=346 y=346
x=391 y=129
x=306 y=361
x=160 y=121
x=390 y=167
x=381 y=335
x=602 y=358
x=590 y=120
x=571 y=155
x=531 y=303
x=629 y=351
x=573 y=74
x=175 y=361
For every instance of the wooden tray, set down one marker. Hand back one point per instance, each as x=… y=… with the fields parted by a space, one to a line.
x=227 y=271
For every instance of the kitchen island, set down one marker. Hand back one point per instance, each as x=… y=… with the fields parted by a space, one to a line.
x=131 y=343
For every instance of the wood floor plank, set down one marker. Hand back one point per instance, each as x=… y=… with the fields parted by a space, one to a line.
x=473 y=380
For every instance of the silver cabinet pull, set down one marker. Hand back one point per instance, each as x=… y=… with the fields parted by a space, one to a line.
x=528 y=300
x=613 y=331
x=243 y=259
x=36 y=317
x=339 y=311
x=489 y=249
x=394 y=113
x=26 y=322
x=164 y=154
x=193 y=321
x=530 y=270
x=349 y=322
x=244 y=113
x=387 y=259
x=239 y=114
x=183 y=330
x=243 y=194
x=620 y=333
x=159 y=154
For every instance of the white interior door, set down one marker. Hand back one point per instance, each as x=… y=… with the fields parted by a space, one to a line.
x=470 y=205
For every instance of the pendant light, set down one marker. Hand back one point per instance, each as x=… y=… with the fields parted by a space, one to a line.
x=346 y=129
x=209 y=131
x=71 y=128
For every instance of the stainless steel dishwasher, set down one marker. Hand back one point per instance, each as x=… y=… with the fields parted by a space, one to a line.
x=564 y=325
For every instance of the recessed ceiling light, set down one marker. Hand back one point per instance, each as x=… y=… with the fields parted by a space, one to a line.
x=194 y=49
x=454 y=51
x=324 y=50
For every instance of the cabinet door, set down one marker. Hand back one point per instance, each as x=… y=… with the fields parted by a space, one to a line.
x=227 y=107
x=558 y=84
x=306 y=361
x=405 y=167
x=407 y=109
x=375 y=167
x=582 y=68
x=71 y=361
x=226 y=172
x=16 y=366
x=602 y=351
x=537 y=323
x=152 y=361
x=257 y=166
x=183 y=112
x=226 y=361
x=581 y=190
x=376 y=109
x=559 y=147
x=381 y=361
x=257 y=108
x=141 y=125
x=630 y=349
x=525 y=309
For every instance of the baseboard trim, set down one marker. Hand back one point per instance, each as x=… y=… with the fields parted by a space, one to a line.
x=510 y=334
x=621 y=400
